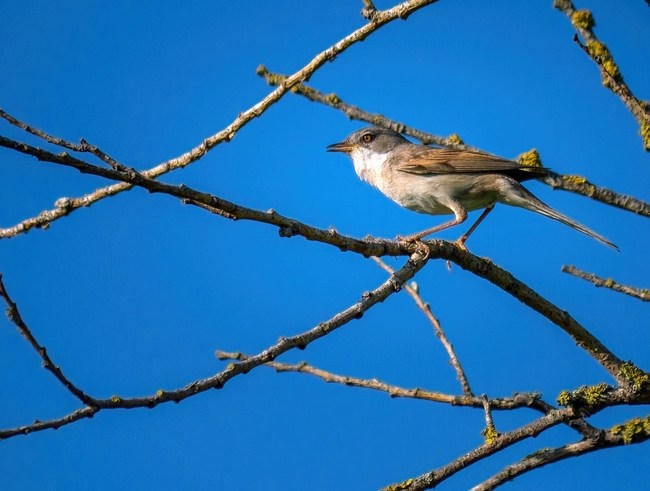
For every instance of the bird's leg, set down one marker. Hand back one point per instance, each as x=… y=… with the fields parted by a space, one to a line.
x=461 y=216
x=463 y=238
x=460 y=242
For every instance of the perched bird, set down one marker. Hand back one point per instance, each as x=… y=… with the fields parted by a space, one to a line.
x=442 y=181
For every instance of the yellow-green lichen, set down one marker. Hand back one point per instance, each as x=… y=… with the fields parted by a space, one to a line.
x=609 y=283
x=490 y=434
x=575 y=179
x=638 y=378
x=583 y=395
x=564 y=399
x=400 y=486
x=455 y=139
x=271 y=78
x=303 y=89
x=530 y=158
x=598 y=49
x=644 y=131
x=116 y=399
x=582 y=19
x=592 y=393
x=633 y=430
x=159 y=393
x=333 y=99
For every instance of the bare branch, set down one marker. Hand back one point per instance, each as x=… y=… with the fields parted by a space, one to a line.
x=490 y=432
x=14 y=316
x=355 y=113
x=68 y=205
x=605 y=439
x=369 y=299
x=84 y=146
x=433 y=478
x=424 y=307
x=518 y=400
x=573 y=184
x=436 y=248
x=54 y=424
x=583 y=22
x=369 y=10
x=580 y=185
x=507 y=403
x=640 y=293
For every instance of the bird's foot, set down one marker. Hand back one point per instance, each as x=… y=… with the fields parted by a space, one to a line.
x=410 y=238
x=460 y=243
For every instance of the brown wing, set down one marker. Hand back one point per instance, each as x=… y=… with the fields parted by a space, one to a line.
x=427 y=160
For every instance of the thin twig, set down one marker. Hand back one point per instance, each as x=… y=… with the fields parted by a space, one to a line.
x=358 y=114
x=369 y=10
x=507 y=403
x=415 y=263
x=437 y=249
x=606 y=439
x=640 y=293
x=433 y=478
x=583 y=22
x=490 y=432
x=381 y=18
x=84 y=146
x=14 y=316
x=518 y=400
x=573 y=184
x=424 y=307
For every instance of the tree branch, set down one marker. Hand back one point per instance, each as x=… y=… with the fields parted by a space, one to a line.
x=370 y=247
x=502 y=404
x=605 y=439
x=84 y=146
x=413 y=290
x=640 y=293
x=583 y=22
x=369 y=299
x=14 y=316
x=433 y=478
x=68 y=205
x=573 y=184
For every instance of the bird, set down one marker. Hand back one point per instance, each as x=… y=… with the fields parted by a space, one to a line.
x=445 y=181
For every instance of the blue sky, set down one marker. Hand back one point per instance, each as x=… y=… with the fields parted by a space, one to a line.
x=135 y=293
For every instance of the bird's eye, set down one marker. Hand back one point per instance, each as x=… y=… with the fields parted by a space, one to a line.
x=367 y=138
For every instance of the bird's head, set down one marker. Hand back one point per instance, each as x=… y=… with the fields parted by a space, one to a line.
x=372 y=138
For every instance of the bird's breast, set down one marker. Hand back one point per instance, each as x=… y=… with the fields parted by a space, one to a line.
x=369 y=166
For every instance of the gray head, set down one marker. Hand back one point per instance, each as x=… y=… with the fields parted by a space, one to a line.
x=373 y=138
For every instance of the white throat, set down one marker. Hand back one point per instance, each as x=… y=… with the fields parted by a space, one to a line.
x=368 y=165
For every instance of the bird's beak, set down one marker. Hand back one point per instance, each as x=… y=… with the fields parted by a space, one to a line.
x=341 y=147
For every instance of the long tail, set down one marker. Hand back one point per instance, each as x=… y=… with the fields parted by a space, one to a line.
x=520 y=196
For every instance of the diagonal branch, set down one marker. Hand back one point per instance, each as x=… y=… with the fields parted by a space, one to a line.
x=424 y=307
x=14 y=316
x=437 y=249
x=68 y=205
x=606 y=439
x=641 y=293
x=518 y=400
x=507 y=403
x=288 y=226
x=433 y=478
x=573 y=184
x=583 y=22
x=84 y=146
x=369 y=299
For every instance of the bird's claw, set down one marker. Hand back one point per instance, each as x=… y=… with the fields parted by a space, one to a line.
x=460 y=243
